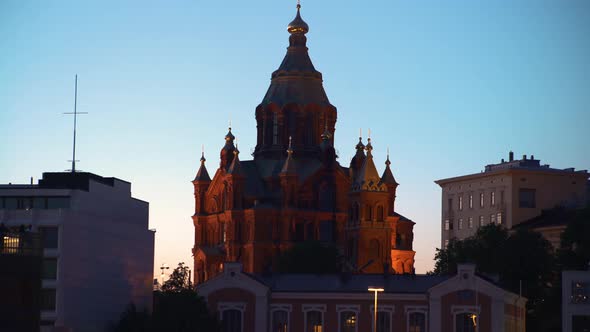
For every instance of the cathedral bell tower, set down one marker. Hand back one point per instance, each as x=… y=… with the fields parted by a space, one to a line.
x=295 y=104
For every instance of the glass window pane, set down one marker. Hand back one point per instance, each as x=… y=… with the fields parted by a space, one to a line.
x=466 y=322
x=280 y=321
x=50 y=268
x=314 y=321
x=49 y=237
x=417 y=322
x=383 y=321
x=48 y=299
x=58 y=202
x=347 y=321
x=231 y=321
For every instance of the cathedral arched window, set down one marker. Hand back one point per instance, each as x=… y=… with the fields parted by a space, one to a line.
x=275 y=128
x=368 y=212
x=224 y=198
x=355 y=211
x=374 y=248
x=380 y=216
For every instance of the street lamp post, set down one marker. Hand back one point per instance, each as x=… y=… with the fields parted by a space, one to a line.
x=375 y=290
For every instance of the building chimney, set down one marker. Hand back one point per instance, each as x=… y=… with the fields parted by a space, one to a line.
x=502 y=160
x=532 y=157
x=524 y=157
x=511 y=156
x=31 y=180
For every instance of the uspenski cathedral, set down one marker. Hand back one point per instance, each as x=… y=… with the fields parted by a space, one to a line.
x=295 y=189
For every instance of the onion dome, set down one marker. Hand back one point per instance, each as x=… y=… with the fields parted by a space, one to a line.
x=296 y=80
x=227 y=152
x=298 y=25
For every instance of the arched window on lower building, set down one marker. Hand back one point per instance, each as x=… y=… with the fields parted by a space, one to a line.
x=314 y=318
x=416 y=321
x=280 y=318
x=466 y=322
x=232 y=317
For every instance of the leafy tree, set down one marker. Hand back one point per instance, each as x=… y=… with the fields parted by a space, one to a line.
x=133 y=320
x=574 y=253
x=179 y=280
x=310 y=257
x=177 y=308
x=521 y=258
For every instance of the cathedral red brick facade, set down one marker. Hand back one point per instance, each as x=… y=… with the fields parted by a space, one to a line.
x=295 y=189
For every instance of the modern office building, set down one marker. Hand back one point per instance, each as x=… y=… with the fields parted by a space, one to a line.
x=465 y=302
x=97 y=250
x=507 y=193
x=575 y=301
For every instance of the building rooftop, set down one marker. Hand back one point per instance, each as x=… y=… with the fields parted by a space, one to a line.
x=529 y=164
x=353 y=283
x=65 y=180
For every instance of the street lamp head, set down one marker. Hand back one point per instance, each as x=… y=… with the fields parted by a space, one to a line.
x=374 y=289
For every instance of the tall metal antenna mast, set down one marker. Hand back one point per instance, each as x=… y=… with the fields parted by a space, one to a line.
x=75 y=113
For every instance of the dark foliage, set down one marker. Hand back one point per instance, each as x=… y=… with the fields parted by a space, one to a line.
x=523 y=258
x=177 y=308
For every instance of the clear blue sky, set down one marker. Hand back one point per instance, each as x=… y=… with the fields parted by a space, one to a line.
x=449 y=86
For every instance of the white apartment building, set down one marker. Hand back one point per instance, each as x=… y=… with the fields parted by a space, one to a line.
x=506 y=193
x=98 y=252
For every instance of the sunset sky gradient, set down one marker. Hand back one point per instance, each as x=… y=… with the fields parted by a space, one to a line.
x=449 y=86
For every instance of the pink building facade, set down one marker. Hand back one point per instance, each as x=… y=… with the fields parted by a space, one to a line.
x=316 y=303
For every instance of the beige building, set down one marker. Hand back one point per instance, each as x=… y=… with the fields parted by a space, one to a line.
x=507 y=193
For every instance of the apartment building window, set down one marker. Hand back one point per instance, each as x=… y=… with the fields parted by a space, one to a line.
x=49 y=237
x=447 y=225
x=460 y=223
x=446 y=244
x=47 y=300
x=450 y=204
x=49 y=268
x=460 y=203
x=471 y=201
x=481 y=200
x=493 y=198
x=499 y=218
x=470 y=222
x=526 y=198
x=580 y=292
x=492 y=219
x=481 y=221
x=501 y=196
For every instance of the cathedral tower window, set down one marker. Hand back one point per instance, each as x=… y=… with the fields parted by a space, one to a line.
x=380 y=216
x=375 y=248
x=275 y=128
x=368 y=212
